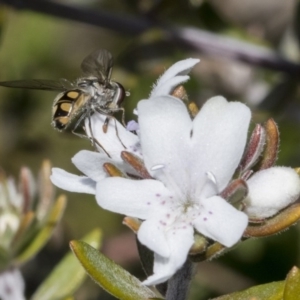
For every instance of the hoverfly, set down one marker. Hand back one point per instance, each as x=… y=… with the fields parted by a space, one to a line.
x=87 y=95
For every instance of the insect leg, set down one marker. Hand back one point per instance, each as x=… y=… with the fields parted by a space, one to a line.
x=117 y=132
x=123 y=115
x=106 y=121
x=105 y=124
x=93 y=140
x=78 y=122
x=123 y=122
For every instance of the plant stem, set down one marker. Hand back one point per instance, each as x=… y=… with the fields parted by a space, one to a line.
x=178 y=285
x=194 y=38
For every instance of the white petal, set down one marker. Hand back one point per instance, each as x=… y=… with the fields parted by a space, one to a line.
x=219 y=138
x=152 y=234
x=134 y=198
x=72 y=183
x=12 y=285
x=115 y=140
x=220 y=221
x=91 y=164
x=164 y=275
x=9 y=224
x=15 y=196
x=168 y=86
x=182 y=67
x=154 y=231
x=271 y=190
x=180 y=239
x=165 y=133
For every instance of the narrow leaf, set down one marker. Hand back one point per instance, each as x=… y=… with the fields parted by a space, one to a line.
x=46 y=190
x=67 y=276
x=25 y=225
x=110 y=276
x=269 y=291
x=292 y=285
x=254 y=148
x=44 y=234
x=280 y=222
x=270 y=152
x=235 y=192
x=113 y=171
x=137 y=164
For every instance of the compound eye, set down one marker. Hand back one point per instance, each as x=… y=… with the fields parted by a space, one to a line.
x=83 y=83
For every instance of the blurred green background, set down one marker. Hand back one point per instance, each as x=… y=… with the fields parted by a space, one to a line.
x=44 y=46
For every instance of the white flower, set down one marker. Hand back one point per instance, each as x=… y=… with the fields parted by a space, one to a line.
x=12 y=285
x=191 y=162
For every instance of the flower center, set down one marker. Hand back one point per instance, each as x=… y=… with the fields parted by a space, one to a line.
x=188 y=205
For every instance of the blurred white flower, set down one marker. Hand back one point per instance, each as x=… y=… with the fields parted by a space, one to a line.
x=26 y=210
x=12 y=285
x=15 y=202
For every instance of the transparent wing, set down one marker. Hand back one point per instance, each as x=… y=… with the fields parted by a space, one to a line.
x=99 y=64
x=38 y=84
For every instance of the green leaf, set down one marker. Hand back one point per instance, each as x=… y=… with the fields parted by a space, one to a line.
x=27 y=222
x=110 y=276
x=67 y=275
x=292 y=285
x=45 y=233
x=269 y=291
